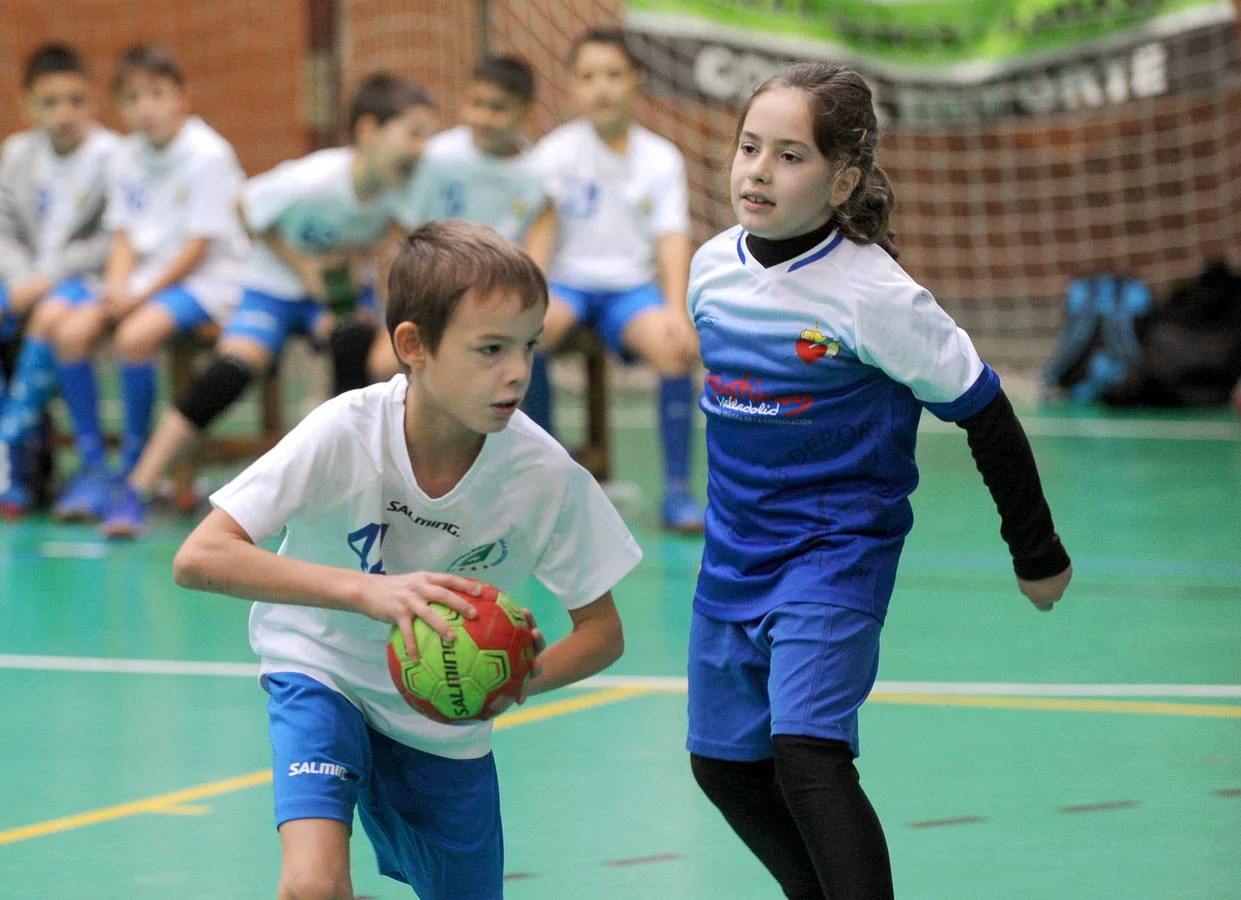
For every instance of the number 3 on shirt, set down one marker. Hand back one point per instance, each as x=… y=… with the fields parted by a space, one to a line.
x=364 y=541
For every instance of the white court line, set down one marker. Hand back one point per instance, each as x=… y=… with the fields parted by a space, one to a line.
x=657 y=683
x=627 y=417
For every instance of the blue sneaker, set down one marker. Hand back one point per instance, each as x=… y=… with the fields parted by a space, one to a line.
x=15 y=502
x=682 y=514
x=15 y=495
x=87 y=498
x=127 y=520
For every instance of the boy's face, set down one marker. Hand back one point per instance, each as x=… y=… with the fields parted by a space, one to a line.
x=392 y=149
x=153 y=106
x=495 y=117
x=59 y=104
x=481 y=370
x=604 y=85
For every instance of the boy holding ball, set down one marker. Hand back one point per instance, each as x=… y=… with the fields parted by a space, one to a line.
x=388 y=497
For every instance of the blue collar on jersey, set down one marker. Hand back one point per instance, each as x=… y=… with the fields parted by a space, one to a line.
x=801 y=263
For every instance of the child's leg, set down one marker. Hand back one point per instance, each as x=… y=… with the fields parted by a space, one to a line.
x=21 y=414
x=824 y=660
x=434 y=822
x=381 y=363
x=747 y=795
x=645 y=326
x=76 y=337
x=730 y=749
x=314 y=860
x=320 y=755
x=253 y=337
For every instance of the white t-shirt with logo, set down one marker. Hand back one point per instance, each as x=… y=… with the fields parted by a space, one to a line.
x=312 y=205
x=68 y=187
x=611 y=209
x=341 y=486
x=456 y=180
x=163 y=199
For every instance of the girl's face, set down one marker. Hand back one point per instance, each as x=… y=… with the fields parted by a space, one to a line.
x=604 y=86
x=780 y=184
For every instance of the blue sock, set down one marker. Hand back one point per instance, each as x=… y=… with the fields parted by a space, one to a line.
x=676 y=402
x=538 y=402
x=138 y=397
x=33 y=384
x=77 y=386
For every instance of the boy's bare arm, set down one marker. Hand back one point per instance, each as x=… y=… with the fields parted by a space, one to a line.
x=673 y=253
x=308 y=269
x=540 y=239
x=185 y=262
x=597 y=641
x=121 y=262
x=220 y=557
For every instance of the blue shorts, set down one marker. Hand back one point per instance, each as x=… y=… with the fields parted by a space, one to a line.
x=273 y=320
x=609 y=312
x=186 y=311
x=802 y=669
x=434 y=822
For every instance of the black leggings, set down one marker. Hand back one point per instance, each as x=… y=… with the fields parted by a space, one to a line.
x=805 y=816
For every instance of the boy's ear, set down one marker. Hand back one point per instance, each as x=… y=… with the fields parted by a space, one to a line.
x=409 y=347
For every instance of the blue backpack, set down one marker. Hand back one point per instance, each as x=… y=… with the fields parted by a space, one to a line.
x=1098 y=344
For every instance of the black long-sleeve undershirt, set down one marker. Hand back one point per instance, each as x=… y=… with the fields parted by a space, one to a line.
x=999 y=446
x=1004 y=458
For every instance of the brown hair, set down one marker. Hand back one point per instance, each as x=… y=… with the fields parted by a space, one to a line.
x=845 y=131
x=441 y=260
x=609 y=37
x=156 y=60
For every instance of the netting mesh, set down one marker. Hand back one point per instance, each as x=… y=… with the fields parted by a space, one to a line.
x=994 y=214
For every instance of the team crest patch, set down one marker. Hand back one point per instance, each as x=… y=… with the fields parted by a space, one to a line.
x=645 y=207
x=813 y=345
x=480 y=559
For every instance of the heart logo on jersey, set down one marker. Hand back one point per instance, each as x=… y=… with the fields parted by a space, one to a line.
x=813 y=345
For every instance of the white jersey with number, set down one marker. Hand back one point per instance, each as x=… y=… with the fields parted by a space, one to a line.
x=312 y=206
x=611 y=209
x=341 y=487
x=164 y=198
x=456 y=180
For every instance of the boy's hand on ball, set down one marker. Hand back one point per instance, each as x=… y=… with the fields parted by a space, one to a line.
x=1044 y=592
x=540 y=644
x=399 y=599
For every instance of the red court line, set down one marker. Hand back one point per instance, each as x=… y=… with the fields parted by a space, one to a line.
x=939 y=823
x=643 y=860
x=1099 y=807
x=519 y=876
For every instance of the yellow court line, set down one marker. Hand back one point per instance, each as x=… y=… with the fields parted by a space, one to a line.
x=1061 y=704
x=198 y=809
x=175 y=802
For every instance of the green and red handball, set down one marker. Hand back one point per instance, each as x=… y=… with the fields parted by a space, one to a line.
x=473 y=677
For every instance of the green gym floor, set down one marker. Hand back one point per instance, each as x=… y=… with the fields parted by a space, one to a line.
x=1094 y=752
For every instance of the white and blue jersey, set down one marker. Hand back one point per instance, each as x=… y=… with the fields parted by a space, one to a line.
x=818 y=370
x=456 y=180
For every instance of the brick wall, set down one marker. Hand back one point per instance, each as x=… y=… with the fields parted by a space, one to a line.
x=243 y=61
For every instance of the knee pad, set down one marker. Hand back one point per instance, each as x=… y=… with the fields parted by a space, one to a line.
x=214 y=391
x=350 y=346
